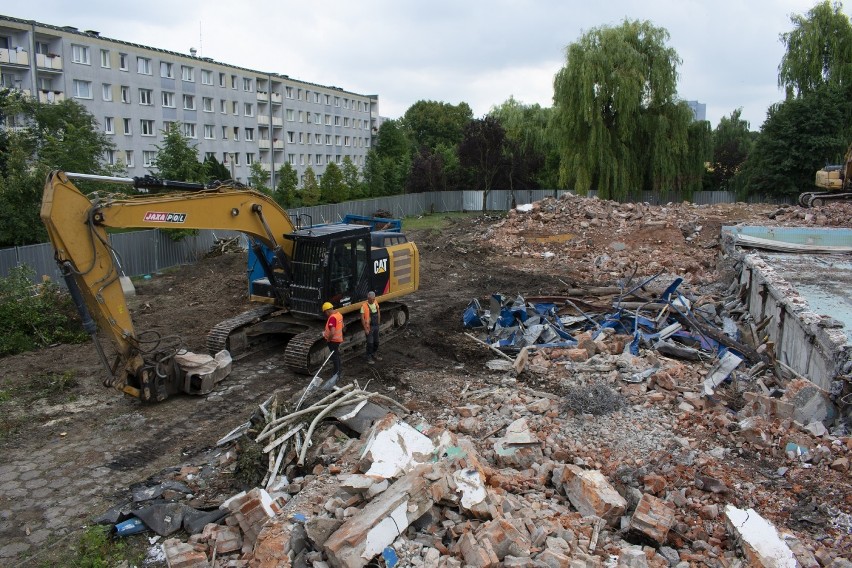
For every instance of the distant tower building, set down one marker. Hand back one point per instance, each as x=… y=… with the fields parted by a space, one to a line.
x=699 y=110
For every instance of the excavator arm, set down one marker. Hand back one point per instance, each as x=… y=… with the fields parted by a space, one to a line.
x=77 y=228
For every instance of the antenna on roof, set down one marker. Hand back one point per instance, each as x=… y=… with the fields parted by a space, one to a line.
x=200 y=43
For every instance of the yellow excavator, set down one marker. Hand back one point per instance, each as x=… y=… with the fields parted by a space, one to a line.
x=835 y=183
x=302 y=266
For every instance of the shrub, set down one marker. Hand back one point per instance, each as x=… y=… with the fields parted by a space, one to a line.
x=34 y=316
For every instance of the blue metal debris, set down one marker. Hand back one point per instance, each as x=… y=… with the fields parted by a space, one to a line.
x=510 y=324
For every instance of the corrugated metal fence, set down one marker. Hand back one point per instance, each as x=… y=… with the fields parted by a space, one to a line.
x=149 y=251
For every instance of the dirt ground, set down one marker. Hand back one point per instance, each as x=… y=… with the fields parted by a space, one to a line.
x=84 y=430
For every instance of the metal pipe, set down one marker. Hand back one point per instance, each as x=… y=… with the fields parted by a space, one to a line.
x=92 y=177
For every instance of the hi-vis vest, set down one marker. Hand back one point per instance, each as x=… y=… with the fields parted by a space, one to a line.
x=334 y=328
x=370 y=313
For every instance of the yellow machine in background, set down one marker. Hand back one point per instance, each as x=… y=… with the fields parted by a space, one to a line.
x=835 y=182
x=302 y=267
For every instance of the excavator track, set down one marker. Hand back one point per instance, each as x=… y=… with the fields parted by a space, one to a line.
x=306 y=351
x=227 y=335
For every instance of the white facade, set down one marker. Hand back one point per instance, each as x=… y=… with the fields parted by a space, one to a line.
x=238 y=115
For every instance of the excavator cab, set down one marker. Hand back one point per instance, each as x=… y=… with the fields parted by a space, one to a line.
x=330 y=264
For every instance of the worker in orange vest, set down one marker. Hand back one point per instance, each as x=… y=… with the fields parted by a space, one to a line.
x=333 y=335
x=371 y=317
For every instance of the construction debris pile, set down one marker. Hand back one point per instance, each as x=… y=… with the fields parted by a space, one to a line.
x=595 y=240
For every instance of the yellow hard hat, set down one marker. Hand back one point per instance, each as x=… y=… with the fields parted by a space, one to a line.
x=327 y=306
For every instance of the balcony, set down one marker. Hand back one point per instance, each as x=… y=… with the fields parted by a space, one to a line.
x=278 y=144
x=266 y=166
x=51 y=96
x=277 y=98
x=277 y=121
x=14 y=56
x=263 y=119
x=49 y=61
x=264 y=144
x=262 y=96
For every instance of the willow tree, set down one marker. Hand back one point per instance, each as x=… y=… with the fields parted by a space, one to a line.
x=619 y=123
x=818 y=50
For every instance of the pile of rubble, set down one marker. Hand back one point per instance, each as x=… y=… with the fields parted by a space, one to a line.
x=595 y=240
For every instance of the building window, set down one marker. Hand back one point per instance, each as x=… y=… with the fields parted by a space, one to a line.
x=236 y=158
x=317 y=98
x=345 y=103
x=206 y=77
x=291 y=136
x=109 y=127
x=247 y=84
x=249 y=158
x=223 y=106
x=328 y=120
x=328 y=139
x=337 y=101
x=224 y=133
x=106 y=91
x=236 y=133
x=235 y=107
x=328 y=99
x=248 y=109
x=317 y=118
x=221 y=79
x=208 y=131
x=291 y=158
x=337 y=159
x=310 y=159
x=346 y=141
x=145 y=96
x=300 y=94
x=82 y=89
x=208 y=155
x=189 y=102
x=187 y=73
x=337 y=121
x=301 y=137
x=109 y=155
x=249 y=134
x=143 y=65
x=346 y=122
x=166 y=70
x=147 y=127
x=125 y=94
x=122 y=61
x=207 y=104
x=128 y=158
x=317 y=138
x=301 y=159
x=105 y=59
x=148 y=158
x=234 y=82
x=289 y=92
x=80 y=54
x=337 y=140
x=128 y=127
x=168 y=99
x=189 y=129
x=319 y=159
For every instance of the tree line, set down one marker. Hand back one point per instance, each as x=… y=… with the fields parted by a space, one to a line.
x=616 y=126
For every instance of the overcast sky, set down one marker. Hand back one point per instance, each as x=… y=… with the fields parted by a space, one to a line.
x=477 y=51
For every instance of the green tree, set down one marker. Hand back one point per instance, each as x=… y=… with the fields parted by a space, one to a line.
x=177 y=158
x=352 y=179
x=391 y=141
x=732 y=141
x=285 y=189
x=213 y=170
x=818 y=50
x=482 y=151
x=619 y=123
x=47 y=137
x=374 y=175
x=427 y=172
x=332 y=188
x=529 y=141
x=310 y=188
x=430 y=123
x=258 y=178
x=798 y=138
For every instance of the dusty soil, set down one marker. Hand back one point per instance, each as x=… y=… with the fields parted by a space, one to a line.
x=425 y=367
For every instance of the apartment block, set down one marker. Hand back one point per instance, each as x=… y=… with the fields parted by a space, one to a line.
x=238 y=115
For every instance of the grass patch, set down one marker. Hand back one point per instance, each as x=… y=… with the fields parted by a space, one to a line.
x=52 y=386
x=97 y=549
x=436 y=220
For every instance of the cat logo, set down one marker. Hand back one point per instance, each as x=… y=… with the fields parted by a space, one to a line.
x=380 y=266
